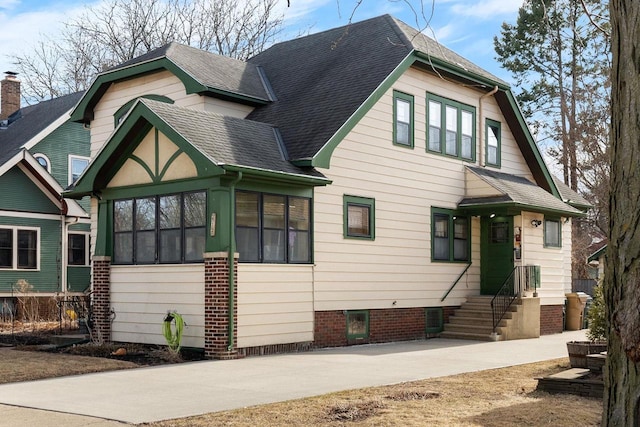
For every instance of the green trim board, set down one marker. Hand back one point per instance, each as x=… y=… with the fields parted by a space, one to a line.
x=367 y=212
x=124 y=141
x=512 y=208
x=403 y=105
x=83 y=112
x=120 y=112
x=496 y=252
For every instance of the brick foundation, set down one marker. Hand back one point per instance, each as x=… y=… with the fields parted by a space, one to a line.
x=551 y=319
x=101 y=298
x=216 y=307
x=385 y=325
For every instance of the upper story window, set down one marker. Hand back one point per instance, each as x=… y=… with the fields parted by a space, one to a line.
x=450 y=236
x=43 y=160
x=552 y=233
x=402 y=119
x=359 y=217
x=493 y=143
x=19 y=248
x=160 y=229
x=273 y=228
x=451 y=128
x=77 y=165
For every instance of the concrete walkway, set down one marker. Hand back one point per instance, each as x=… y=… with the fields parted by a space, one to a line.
x=176 y=391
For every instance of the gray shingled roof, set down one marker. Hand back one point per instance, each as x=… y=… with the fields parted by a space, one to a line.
x=29 y=121
x=228 y=140
x=320 y=80
x=211 y=70
x=517 y=190
x=569 y=196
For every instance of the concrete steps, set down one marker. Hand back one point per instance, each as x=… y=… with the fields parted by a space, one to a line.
x=474 y=321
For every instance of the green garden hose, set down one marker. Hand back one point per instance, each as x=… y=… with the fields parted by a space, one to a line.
x=173 y=338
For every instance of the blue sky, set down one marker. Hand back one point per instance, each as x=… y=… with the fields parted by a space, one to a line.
x=465 y=26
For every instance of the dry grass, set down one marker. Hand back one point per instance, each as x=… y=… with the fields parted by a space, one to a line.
x=18 y=366
x=499 y=397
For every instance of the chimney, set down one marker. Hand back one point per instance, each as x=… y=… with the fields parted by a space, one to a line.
x=9 y=95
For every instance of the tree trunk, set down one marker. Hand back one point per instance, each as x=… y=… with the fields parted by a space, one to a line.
x=622 y=277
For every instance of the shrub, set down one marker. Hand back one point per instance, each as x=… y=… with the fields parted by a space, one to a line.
x=597 y=316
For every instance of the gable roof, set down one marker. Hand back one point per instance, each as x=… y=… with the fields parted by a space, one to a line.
x=200 y=71
x=315 y=89
x=322 y=79
x=516 y=191
x=227 y=144
x=30 y=124
x=571 y=197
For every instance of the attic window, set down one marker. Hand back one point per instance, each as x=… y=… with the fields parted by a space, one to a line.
x=402 y=119
x=451 y=129
x=43 y=160
x=122 y=111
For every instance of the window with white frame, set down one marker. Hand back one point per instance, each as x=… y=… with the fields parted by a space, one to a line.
x=77 y=165
x=78 y=249
x=19 y=248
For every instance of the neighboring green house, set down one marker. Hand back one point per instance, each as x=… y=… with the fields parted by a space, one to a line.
x=356 y=185
x=44 y=238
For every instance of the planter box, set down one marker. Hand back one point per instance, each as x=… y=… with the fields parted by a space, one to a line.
x=578 y=351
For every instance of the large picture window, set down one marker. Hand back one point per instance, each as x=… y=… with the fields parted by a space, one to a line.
x=450 y=236
x=451 y=130
x=273 y=228
x=168 y=229
x=19 y=248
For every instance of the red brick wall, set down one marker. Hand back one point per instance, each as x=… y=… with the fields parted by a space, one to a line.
x=551 y=321
x=101 y=298
x=385 y=325
x=9 y=96
x=216 y=307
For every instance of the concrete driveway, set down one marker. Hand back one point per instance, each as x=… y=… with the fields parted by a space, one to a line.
x=175 y=391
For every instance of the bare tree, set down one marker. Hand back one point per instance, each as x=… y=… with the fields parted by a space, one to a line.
x=622 y=274
x=116 y=31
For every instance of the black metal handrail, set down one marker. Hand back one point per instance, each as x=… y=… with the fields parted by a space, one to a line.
x=522 y=278
x=455 y=282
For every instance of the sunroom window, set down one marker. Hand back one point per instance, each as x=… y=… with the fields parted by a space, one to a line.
x=273 y=228
x=160 y=229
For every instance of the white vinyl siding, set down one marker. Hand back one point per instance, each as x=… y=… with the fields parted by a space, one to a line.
x=142 y=295
x=555 y=263
x=275 y=304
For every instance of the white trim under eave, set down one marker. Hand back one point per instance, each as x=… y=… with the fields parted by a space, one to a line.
x=48 y=130
x=29 y=215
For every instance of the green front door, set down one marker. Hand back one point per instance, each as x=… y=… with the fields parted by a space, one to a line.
x=496 y=250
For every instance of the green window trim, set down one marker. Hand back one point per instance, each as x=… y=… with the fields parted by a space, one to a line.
x=493 y=132
x=448 y=242
x=440 y=109
x=406 y=137
x=357 y=331
x=364 y=205
x=552 y=232
x=434 y=320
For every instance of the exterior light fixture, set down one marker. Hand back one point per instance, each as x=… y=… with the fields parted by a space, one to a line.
x=536 y=222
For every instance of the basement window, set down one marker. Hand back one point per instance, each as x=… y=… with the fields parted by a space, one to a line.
x=434 y=319
x=357 y=324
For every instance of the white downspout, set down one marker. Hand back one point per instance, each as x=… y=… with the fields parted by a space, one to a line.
x=65 y=251
x=482 y=127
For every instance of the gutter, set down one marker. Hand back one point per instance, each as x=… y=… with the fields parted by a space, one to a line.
x=232 y=254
